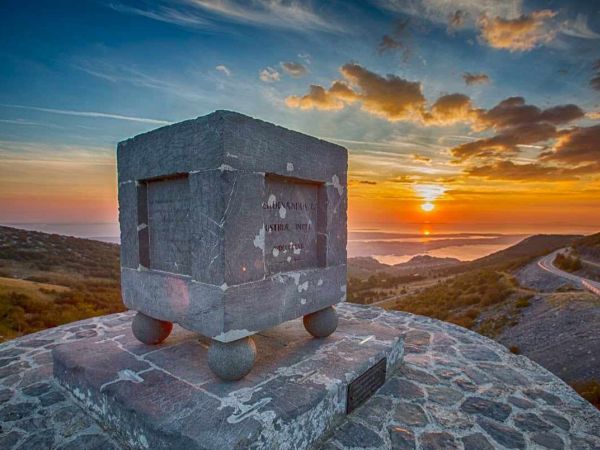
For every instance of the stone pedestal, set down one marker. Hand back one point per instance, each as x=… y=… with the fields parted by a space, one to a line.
x=165 y=396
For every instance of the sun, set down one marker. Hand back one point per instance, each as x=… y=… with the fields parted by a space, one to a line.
x=427 y=207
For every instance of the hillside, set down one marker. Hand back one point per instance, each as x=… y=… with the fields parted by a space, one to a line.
x=527 y=249
x=365 y=266
x=47 y=280
x=588 y=246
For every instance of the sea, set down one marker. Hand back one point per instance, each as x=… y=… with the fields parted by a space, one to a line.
x=387 y=245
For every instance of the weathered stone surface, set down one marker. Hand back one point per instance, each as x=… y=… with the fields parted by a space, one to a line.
x=530 y=422
x=503 y=434
x=521 y=402
x=231 y=225
x=548 y=440
x=485 y=407
x=8 y=440
x=167 y=393
x=443 y=395
x=89 y=442
x=401 y=438
x=410 y=415
x=353 y=434
x=477 y=441
x=575 y=422
x=438 y=441
x=402 y=389
x=42 y=439
x=16 y=411
x=478 y=353
x=547 y=397
x=556 y=419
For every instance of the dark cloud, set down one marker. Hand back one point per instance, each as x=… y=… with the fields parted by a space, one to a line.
x=475 y=78
x=388 y=43
x=516 y=123
x=294 y=69
x=368 y=182
x=397 y=40
x=514 y=111
x=507 y=170
x=595 y=81
x=457 y=19
x=578 y=145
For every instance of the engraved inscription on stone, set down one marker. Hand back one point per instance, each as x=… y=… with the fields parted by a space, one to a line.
x=169 y=224
x=290 y=218
x=361 y=389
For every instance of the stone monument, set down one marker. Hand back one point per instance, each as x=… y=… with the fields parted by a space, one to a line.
x=229 y=226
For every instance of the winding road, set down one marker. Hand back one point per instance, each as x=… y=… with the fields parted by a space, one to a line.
x=546 y=263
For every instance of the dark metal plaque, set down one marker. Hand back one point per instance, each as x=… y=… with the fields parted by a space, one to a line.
x=365 y=385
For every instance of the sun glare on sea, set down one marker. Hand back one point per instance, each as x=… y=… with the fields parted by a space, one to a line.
x=427 y=207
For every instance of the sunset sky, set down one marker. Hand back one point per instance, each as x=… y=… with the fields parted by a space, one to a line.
x=477 y=114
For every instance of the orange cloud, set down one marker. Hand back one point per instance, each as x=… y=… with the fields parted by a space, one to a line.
x=390 y=97
x=520 y=34
x=320 y=98
x=420 y=158
x=451 y=109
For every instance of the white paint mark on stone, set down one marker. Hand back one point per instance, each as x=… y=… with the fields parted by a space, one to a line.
x=275 y=252
x=335 y=182
x=303 y=301
x=289 y=258
x=320 y=282
x=295 y=276
x=290 y=167
x=225 y=167
x=303 y=287
x=282 y=212
x=144 y=441
x=297 y=251
x=272 y=199
x=130 y=375
x=259 y=239
x=232 y=335
x=231 y=155
x=224 y=287
x=343 y=288
x=141 y=226
x=367 y=339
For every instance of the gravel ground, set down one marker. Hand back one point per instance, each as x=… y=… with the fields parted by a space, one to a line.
x=558 y=330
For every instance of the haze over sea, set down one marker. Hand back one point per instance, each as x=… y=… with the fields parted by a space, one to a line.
x=389 y=246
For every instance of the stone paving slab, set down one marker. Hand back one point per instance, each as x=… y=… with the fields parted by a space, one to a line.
x=167 y=397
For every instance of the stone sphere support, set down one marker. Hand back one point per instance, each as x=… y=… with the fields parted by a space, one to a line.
x=232 y=360
x=321 y=323
x=149 y=330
